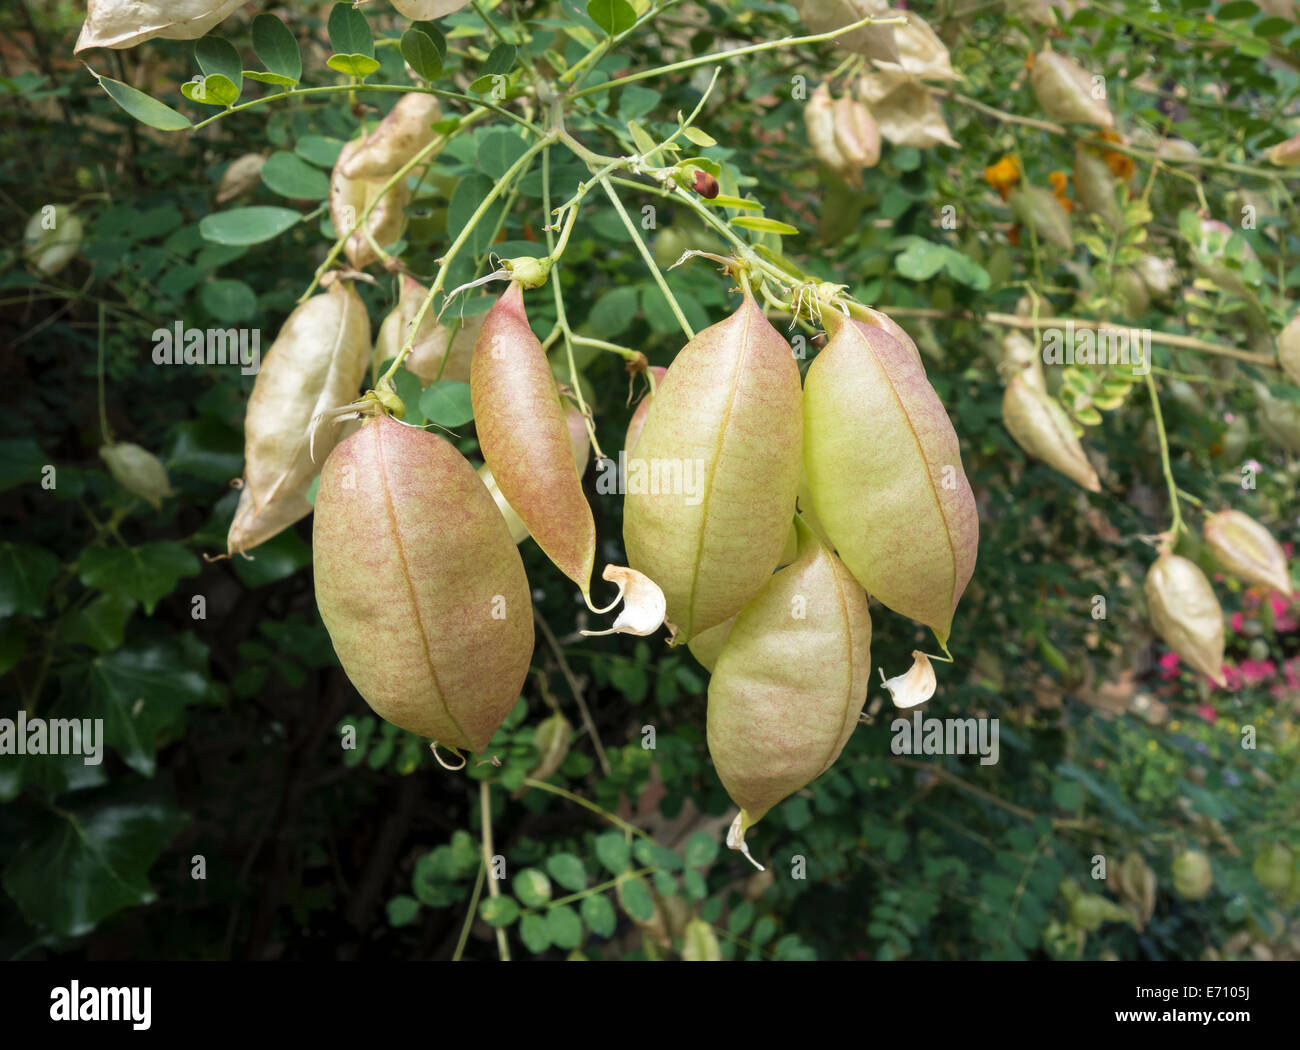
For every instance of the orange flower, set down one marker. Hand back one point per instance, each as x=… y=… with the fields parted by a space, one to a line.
x=1121 y=164
x=1003 y=175
x=1059 y=179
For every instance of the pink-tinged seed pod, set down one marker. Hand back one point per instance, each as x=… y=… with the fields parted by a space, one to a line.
x=1020 y=357
x=1247 y=550
x=1065 y=90
x=885 y=474
x=1285 y=153
x=349 y=199
x=875 y=319
x=419 y=585
x=407 y=129
x=819 y=119
x=707 y=645
x=316 y=364
x=1288 y=349
x=1040 y=426
x=712 y=486
x=789 y=682
x=637 y=422
x=526 y=440
x=432 y=343
x=1186 y=614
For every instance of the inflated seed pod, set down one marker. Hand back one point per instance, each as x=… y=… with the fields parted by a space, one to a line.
x=1288 y=349
x=1019 y=357
x=885 y=474
x=316 y=363
x=51 y=239
x=526 y=439
x=1247 y=550
x=1278 y=418
x=707 y=645
x=419 y=585
x=1065 y=91
x=138 y=471
x=825 y=16
x=426 y=10
x=349 y=199
x=1157 y=274
x=856 y=137
x=1285 y=153
x=1131 y=294
x=637 y=422
x=119 y=24
x=789 y=682
x=1186 y=614
x=1040 y=426
x=243 y=174
x=407 y=129
x=1193 y=876
x=1210 y=252
x=1094 y=185
x=1039 y=209
x=875 y=319
x=921 y=53
x=712 y=486
x=432 y=343
x=819 y=118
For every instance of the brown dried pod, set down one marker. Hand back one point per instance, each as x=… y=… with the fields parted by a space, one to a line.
x=1186 y=614
x=432 y=343
x=125 y=23
x=1288 y=349
x=349 y=199
x=1247 y=550
x=920 y=51
x=241 y=176
x=1285 y=153
x=1066 y=91
x=419 y=585
x=825 y=16
x=905 y=110
x=1020 y=357
x=1040 y=426
x=407 y=129
x=856 y=137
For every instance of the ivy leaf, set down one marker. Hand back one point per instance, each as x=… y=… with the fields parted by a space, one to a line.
x=101 y=624
x=145 y=108
x=26 y=572
x=146 y=573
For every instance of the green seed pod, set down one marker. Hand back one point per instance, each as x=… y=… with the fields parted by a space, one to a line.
x=419 y=585
x=1131 y=294
x=1040 y=426
x=1288 y=349
x=1066 y=91
x=52 y=239
x=1186 y=614
x=1094 y=185
x=700 y=943
x=885 y=475
x=1275 y=868
x=526 y=440
x=789 y=683
x=316 y=364
x=1039 y=209
x=875 y=319
x=1279 y=419
x=1088 y=911
x=1193 y=877
x=712 y=486
x=1247 y=550
x=349 y=199
x=138 y=471
x=407 y=129
x=551 y=738
x=707 y=645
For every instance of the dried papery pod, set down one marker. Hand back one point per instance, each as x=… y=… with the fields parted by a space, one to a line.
x=407 y=129
x=1247 y=550
x=1131 y=294
x=1157 y=274
x=1288 y=349
x=431 y=342
x=1095 y=185
x=1193 y=876
x=700 y=943
x=349 y=199
x=643 y=603
x=789 y=683
x=1039 y=208
x=316 y=364
x=1065 y=90
x=1040 y=426
x=1020 y=357
x=1137 y=885
x=825 y=16
x=712 y=486
x=138 y=471
x=885 y=474
x=125 y=23
x=920 y=51
x=241 y=176
x=422 y=591
x=819 y=119
x=1278 y=418
x=551 y=738
x=637 y=422
x=424 y=10
x=856 y=137
x=526 y=440
x=1186 y=614
x=707 y=645
x=1285 y=153
x=51 y=239
x=905 y=110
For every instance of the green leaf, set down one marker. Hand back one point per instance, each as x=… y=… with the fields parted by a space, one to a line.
x=144 y=108
x=269 y=78
x=568 y=871
x=243 y=226
x=422 y=54
x=447 y=403
x=741 y=916
x=696 y=888
x=700 y=138
x=613 y=16
x=228 y=300
x=205 y=448
x=499 y=61
x=101 y=624
x=402 y=910
x=499 y=911
x=599 y=915
x=762 y=225
x=290 y=176
x=275 y=559
x=922 y=260
x=613 y=852
x=276 y=48
x=352 y=65
x=645 y=145
x=636 y=900
x=701 y=850
x=532 y=887
x=13 y=644
x=1237 y=10
x=564 y=927
x=146 y=573
x=724 y=201
x=535 y=932
x=349 y=31
x=498 y=150
x=319 y=150
x=217 y=56
x=614 y=311
x=26 y=572
x=102 y=855
x=21 y=461
x=214 y=90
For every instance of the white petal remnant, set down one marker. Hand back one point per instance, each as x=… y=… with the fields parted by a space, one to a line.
x=644 y=605
x=736 y=839
x=916 y=685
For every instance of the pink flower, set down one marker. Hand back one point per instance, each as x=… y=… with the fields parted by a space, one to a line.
x=1207 y=712
x=1238 y=621
x=1168 y=666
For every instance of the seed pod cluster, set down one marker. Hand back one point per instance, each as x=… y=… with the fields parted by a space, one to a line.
x=51 y=239
x=843 y=134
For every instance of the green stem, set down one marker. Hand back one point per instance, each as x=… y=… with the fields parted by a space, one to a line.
x=469 y=915
x=485 y=817
x=1176 y=524
x=619 y=822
